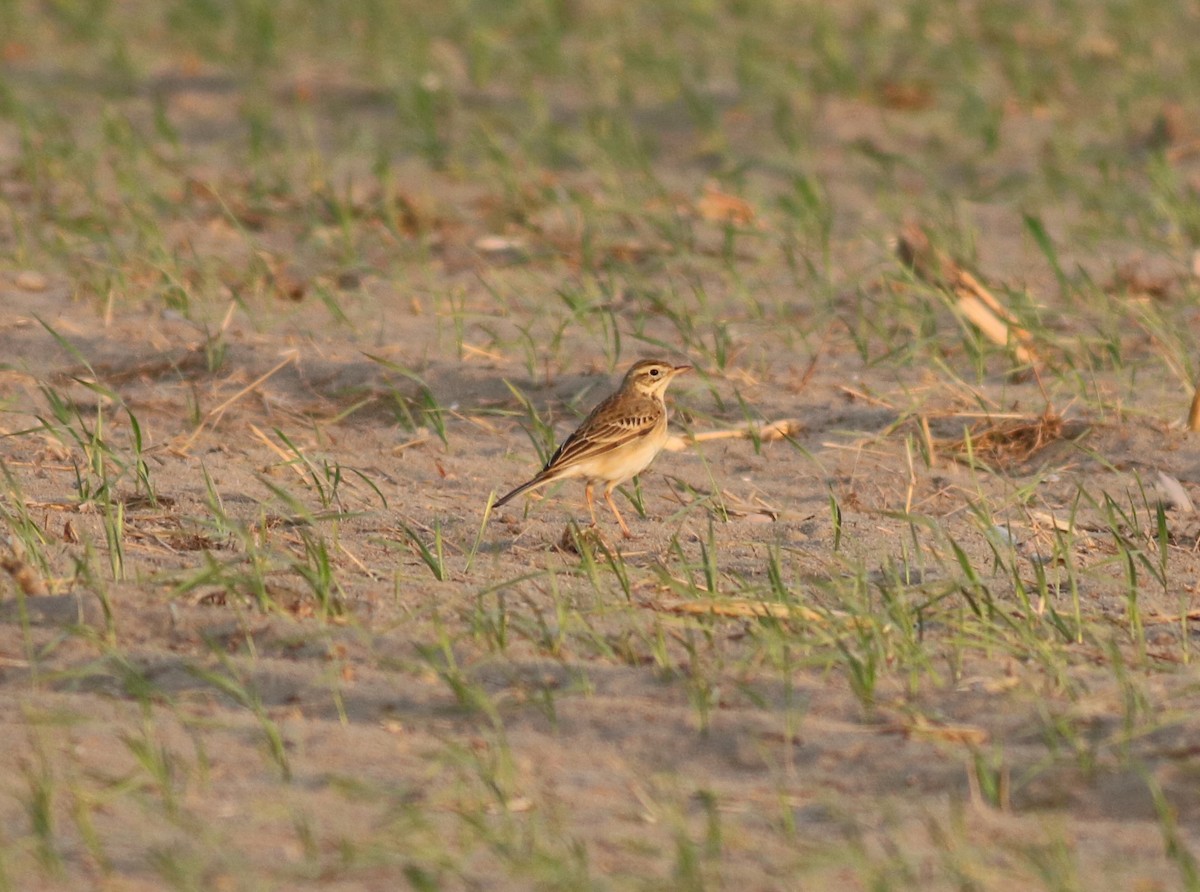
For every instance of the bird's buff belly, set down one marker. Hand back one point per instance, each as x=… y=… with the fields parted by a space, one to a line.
x=625 y=462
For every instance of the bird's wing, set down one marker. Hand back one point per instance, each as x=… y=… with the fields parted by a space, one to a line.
x=602 y=430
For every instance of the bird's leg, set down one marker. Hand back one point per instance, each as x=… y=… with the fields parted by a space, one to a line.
x=617 y=514
x=591 y=501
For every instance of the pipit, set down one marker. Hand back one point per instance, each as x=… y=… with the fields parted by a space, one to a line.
x=617 y=441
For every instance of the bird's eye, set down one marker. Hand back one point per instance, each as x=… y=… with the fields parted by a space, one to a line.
x=654 y=373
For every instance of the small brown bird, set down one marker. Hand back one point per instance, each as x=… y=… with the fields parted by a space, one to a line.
x=618 y=440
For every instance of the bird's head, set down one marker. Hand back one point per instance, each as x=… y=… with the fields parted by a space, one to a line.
x=651 y=376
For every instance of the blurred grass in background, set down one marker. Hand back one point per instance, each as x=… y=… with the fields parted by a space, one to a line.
x=728 y=87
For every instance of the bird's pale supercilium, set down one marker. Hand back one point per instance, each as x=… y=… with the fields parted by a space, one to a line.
x=617 y=441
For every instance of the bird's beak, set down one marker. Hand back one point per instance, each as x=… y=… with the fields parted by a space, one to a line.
x=680 y=369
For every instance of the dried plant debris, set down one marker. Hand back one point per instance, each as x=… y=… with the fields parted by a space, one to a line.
x=1174 y=495
x=738 y=608
x=972 y=299
x=1139 y=279
x=23 y=574
x=1007 y=442
x=782 y=429
x=717 y=206
x=1041 y=537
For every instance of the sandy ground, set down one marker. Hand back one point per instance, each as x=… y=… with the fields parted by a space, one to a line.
x=540 y=717
x=589 y=728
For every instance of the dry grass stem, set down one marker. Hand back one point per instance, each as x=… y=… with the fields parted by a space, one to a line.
x=776 y=430
x=973 y=300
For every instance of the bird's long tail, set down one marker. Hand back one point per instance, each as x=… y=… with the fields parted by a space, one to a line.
x=535 y=482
